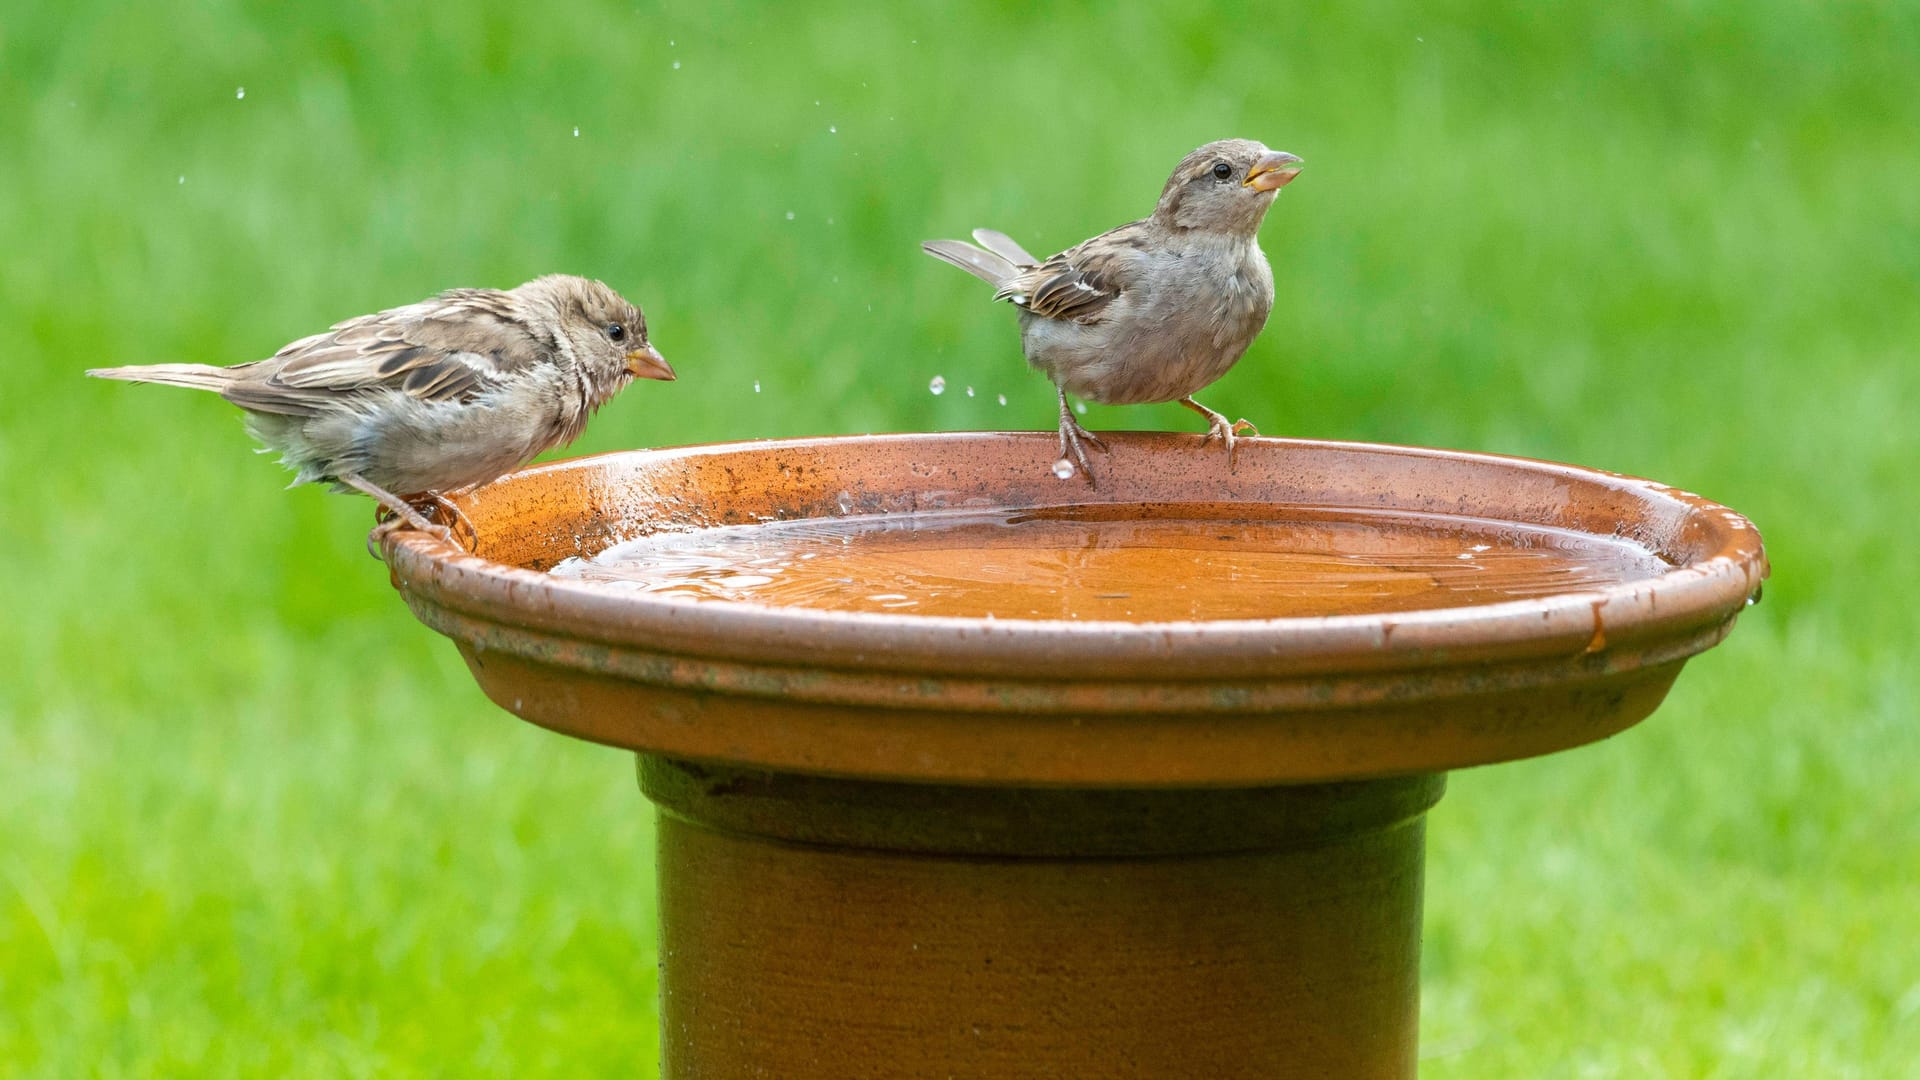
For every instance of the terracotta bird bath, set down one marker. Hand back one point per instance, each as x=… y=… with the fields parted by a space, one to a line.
x=964 y=770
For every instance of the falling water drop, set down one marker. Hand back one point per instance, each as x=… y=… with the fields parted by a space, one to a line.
x=676 y=65
x=756 y=386
x=1063 y=469
x=969 y=391
x=789 y=215
x=1003 y=399
x=576 y=132
x=938 y=385
x=1080 y=407
x=833 y=129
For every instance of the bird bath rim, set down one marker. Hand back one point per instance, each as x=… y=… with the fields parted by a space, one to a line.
x=1720 y=576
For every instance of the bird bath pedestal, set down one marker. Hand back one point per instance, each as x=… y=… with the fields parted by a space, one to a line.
x=894 y=844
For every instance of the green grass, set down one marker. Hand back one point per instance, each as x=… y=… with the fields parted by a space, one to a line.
x=255 y=820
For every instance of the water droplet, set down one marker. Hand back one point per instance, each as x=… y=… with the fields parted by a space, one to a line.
x=1003 y=399
x=969 y=391
x=676 y=65
x=756 y=386
x=240 y=94
x=183 y=179
x=789 y=215
x=1063 y=469
x=1080 y=407
x=833 y=129
x=938 y=385
x=576 y=132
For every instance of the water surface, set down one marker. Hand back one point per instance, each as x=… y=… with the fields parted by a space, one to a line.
x=1133 y=563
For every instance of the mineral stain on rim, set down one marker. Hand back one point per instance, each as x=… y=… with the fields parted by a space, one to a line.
x=686 y=669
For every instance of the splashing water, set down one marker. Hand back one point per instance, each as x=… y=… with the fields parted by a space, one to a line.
x=938 y=385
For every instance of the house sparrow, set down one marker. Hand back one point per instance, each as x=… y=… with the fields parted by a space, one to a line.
x=450 y=392
x=1156 y=309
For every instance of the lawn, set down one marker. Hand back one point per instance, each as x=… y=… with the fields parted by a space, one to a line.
x=256 y=821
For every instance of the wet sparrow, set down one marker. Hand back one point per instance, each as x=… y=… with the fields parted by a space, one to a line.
x=1156 y=309
x=443 y=394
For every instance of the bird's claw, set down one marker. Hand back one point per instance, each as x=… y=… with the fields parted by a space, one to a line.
x=1218 y=427
x=1073 y=440
x=390 y=522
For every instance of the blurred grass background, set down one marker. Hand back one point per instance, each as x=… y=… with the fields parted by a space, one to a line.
x=255 y=820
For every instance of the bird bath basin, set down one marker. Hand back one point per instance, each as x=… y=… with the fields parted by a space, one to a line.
x=966 y=770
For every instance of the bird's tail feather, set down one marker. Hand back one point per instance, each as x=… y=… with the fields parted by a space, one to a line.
x=192 y=376
x=985 y=265
x=1004 y=246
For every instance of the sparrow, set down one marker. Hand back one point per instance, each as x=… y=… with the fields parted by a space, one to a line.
x=451 y=392
x=1154 y=310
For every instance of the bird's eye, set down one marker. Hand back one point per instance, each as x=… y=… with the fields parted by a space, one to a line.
x=1222 y=170
x=617 y=332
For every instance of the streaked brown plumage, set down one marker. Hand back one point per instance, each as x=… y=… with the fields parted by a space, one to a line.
x=1154 y=310
x=446 y=393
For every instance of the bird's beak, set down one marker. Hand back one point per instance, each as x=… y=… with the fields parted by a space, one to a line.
x=646 y=362
x=1273 y=171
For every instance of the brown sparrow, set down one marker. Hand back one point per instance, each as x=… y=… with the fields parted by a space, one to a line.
x=1156 y=309
x=447 y=393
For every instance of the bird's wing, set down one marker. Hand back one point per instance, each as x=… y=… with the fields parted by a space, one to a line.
x=1004 y=246
x=1079 y=283
x=450 y=348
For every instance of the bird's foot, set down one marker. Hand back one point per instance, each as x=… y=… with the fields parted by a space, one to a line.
x=1219 y=427
x=391 y=523
x=1074 y=441
x=397 y=513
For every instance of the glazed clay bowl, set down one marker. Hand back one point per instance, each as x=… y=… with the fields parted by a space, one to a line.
x=1083 y=701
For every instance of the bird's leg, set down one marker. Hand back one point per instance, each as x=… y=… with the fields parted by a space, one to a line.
x=1072 y=436
x=402 y=510
x=1219 y=428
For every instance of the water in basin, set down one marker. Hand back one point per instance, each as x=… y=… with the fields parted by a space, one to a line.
x=1134 y=563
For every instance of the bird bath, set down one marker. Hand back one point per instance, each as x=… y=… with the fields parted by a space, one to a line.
x=963 y=770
